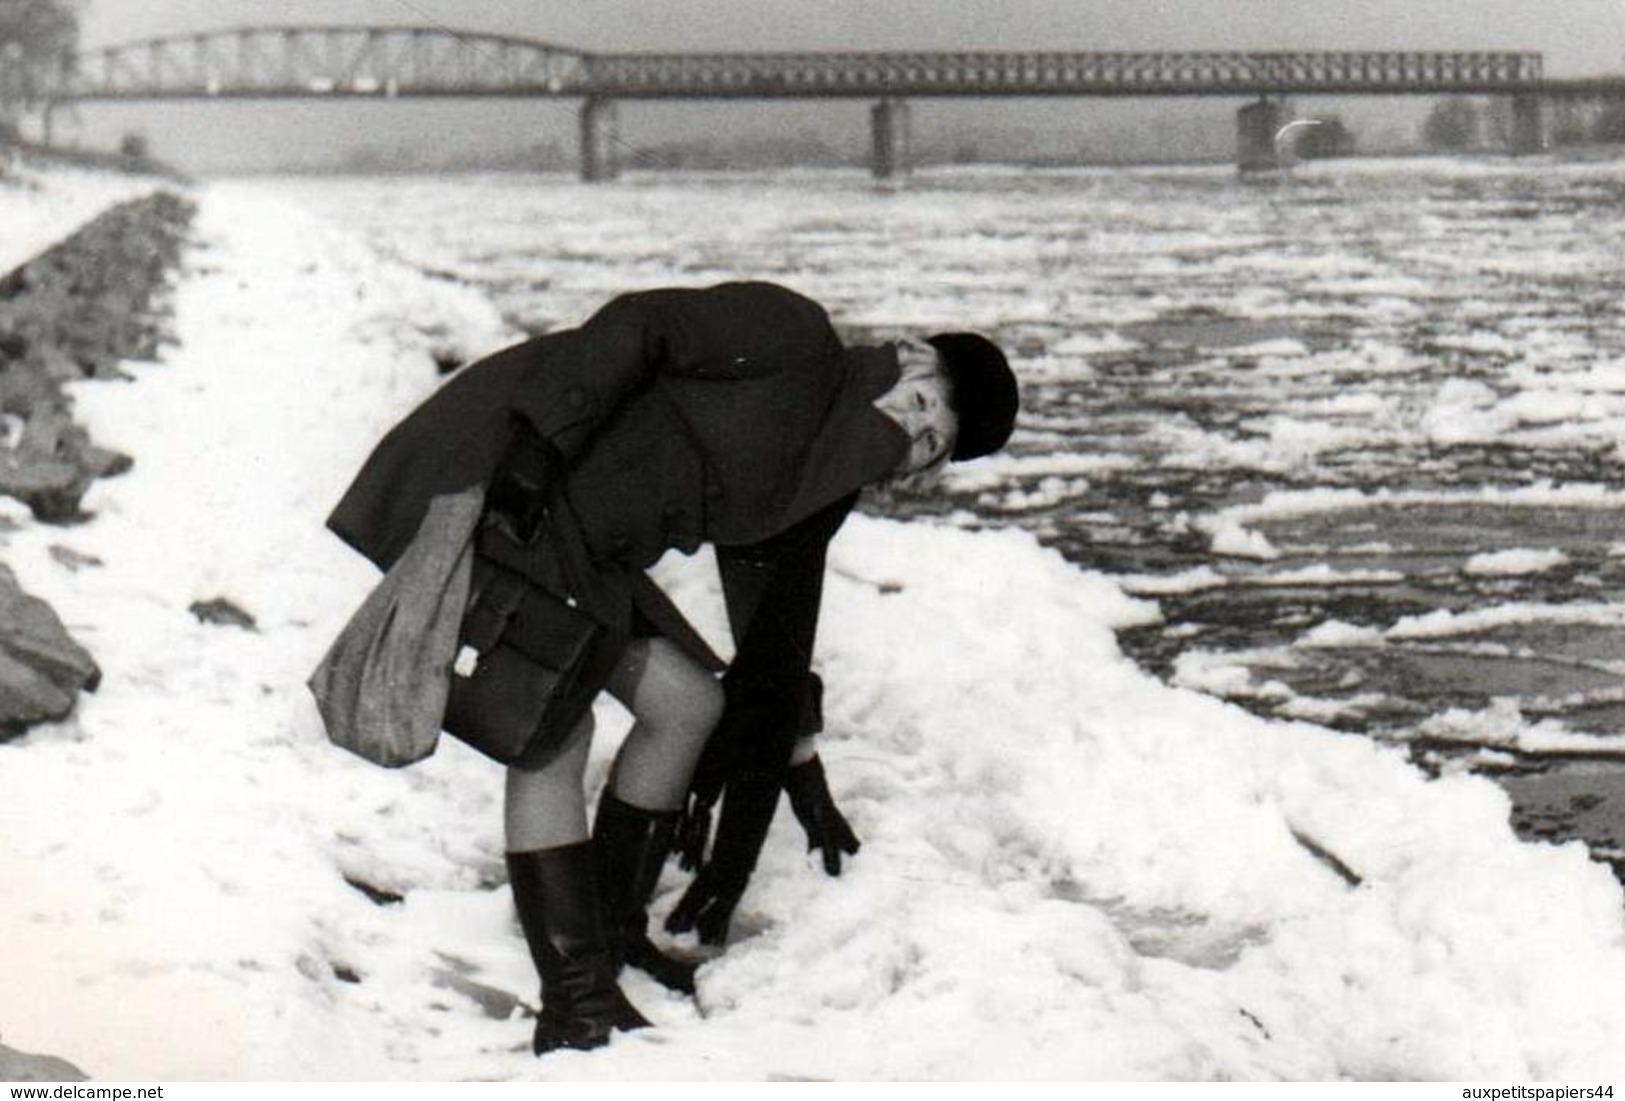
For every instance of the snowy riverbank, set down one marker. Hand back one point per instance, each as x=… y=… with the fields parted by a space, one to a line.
x=1069 y=870
x=43 y=205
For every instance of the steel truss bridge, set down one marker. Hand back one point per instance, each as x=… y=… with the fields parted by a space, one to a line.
x=434 y=61
x=261 y=62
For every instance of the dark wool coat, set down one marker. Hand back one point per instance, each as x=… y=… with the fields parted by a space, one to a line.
x=726 y=414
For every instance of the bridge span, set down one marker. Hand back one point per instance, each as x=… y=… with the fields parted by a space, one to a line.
x=261 y=62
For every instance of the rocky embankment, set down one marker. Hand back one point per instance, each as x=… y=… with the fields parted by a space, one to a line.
x=22 y=1066
x=74 y=312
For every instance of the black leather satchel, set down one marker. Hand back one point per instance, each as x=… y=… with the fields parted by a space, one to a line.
x=519 y=686
x=528 y=662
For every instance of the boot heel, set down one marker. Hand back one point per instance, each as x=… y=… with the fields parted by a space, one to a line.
x=672 y=972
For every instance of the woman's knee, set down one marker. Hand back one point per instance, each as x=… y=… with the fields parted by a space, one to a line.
x=696 y=699
x=711 y=703
x=668 y=690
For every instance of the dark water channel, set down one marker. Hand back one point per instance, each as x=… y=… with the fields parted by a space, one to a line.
x=1537 y=644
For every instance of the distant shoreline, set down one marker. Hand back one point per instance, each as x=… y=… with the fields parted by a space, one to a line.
x=1566 y=155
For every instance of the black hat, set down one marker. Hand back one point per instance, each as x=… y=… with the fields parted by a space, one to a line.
x=983 y=392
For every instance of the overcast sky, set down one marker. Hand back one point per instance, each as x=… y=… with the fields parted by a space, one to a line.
x=1577 y=37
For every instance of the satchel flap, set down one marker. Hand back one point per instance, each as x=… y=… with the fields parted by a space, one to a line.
x=508 y=609
x=551 y=631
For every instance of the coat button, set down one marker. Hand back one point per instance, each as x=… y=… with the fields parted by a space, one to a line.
x=714 y=491
x=621 y=545
x=577 y=397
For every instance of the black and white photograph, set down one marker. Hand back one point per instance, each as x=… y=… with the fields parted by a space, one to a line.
x=711 y=541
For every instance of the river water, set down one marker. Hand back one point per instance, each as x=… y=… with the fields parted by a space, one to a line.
x=1355 y=428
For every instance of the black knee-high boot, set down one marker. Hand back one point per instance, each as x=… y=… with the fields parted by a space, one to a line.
x=556 y=895
x=631 y=846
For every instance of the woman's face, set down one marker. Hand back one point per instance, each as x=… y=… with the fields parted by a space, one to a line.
x=919 y=403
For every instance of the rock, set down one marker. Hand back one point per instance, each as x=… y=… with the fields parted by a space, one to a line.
x=28 y=697
x=56 y=364
x=51 y=488
x=22 y=390
x=73 y=312
x=19 y=1066
x=447 y=360
x=72 y=559
x=222 y=612
x=48 y=470
x=497 y=1004
x=104 y=462
x=42 y=669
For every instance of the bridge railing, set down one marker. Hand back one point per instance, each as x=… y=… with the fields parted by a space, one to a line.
x=1054 y=73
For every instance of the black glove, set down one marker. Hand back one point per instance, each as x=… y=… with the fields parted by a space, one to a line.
x=754 y=736
x=827 y=829
x=708 y=905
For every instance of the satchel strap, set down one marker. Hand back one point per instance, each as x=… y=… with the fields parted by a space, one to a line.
x=496 y=597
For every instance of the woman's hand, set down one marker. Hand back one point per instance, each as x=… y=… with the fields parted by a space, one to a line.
x=708 y=905
x=522 y=483
x=827 y=829
x=747 y=811
x=693 y=832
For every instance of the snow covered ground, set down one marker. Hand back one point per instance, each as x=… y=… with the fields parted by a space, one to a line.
x=1070 y=870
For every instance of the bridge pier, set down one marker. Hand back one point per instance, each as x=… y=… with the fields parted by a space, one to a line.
x=1256 y=126
x=599 y=125
x=1570 y=121
x=1528 y=129
x=889 y=131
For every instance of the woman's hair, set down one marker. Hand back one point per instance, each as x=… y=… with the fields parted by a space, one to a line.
x=982 y=391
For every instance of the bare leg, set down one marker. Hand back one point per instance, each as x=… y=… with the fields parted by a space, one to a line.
x=547 y=807
x=676 y=703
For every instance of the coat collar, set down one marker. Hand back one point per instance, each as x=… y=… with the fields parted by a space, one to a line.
x=857 y=445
